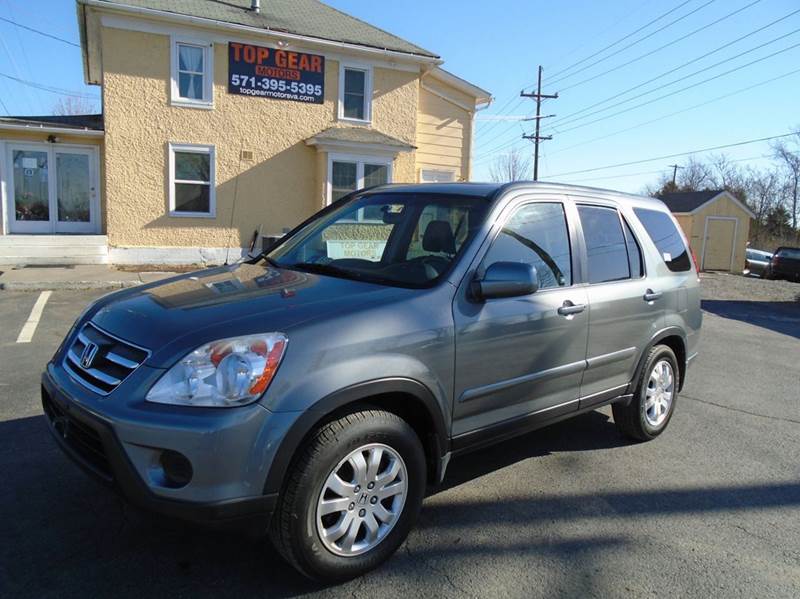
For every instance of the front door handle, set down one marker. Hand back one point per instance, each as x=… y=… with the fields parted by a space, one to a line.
x=651 y=296
x=568 y=308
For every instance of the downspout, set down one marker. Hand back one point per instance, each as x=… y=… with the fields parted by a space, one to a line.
x=478 y=108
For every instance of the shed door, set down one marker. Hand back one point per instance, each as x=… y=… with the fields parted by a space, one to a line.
x=720 y=237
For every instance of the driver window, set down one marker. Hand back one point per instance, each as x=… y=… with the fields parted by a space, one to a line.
x=536 y=234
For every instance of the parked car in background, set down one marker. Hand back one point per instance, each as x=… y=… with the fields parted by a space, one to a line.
x=316 y=390
x=756 y=262
x=785 y=264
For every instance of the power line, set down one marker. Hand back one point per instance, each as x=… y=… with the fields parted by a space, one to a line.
x=677 y=68
x=47 y=88
x=662 y=47
x=683 y=89
x=511 y=99
x=641 y=39
x=685 y=77
x=24 y=53
x=641 y=173
x=15 y=67
x=677 y=112
x=50 y=35
x=669 y=156
x=567 y=119
x=619 y=41
x=628 y=15
x=3 y=104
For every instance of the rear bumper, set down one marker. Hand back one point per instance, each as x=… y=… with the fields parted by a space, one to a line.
x=92 y=444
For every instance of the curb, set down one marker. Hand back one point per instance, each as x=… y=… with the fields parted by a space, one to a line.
x=67 y=285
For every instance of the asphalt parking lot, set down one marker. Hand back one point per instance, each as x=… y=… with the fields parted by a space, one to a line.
x=711 y=508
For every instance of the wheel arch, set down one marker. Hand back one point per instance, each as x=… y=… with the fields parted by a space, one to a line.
x=408 y=398
x=675 y=339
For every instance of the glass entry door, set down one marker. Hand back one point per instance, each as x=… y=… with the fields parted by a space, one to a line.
x=52 y=189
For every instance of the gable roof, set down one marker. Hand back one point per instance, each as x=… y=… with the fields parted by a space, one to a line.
x=687 y=201
x=682 y=202
x=309 y=18
x=359 y=135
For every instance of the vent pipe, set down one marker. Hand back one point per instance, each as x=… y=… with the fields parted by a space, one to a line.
x=255 y=5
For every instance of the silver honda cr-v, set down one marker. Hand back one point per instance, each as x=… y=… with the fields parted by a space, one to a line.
x=316 y=390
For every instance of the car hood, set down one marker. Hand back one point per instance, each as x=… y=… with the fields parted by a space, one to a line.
x=174 y=317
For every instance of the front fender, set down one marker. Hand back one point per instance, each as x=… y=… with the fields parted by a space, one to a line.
x=309 y=419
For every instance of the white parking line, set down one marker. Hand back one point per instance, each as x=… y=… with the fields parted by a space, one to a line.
x=29 y=328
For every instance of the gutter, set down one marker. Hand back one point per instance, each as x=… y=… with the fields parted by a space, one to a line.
x=84 y=132
x=205 y=22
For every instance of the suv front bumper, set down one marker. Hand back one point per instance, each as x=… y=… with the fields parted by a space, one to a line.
x=91 y=441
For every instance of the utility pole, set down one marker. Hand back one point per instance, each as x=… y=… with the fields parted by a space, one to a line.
x=674 y=168
x=538 y=96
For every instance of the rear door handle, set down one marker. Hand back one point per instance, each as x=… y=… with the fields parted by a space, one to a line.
x=568 y=308
x=651 y=296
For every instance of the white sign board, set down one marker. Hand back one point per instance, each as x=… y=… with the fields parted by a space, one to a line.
x=365 y=250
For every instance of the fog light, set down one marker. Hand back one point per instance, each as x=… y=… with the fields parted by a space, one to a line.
x=177 y=468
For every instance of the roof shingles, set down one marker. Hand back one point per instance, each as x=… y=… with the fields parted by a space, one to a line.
x=687 y=201
x=309 y=18
x=93 y=122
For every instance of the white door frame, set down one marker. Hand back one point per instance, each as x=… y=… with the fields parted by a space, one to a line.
x=7 y=177
x=733 y=243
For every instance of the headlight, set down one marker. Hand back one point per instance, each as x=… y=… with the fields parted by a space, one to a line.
x=222 y=374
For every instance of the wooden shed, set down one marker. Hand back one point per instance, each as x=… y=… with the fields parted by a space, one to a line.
x=716 y=224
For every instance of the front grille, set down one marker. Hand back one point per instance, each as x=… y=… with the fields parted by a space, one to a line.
x=81 y=437
x=99 y=361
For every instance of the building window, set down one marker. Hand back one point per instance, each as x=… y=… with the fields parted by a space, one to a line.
x=191 y=180
x=192 y=73
x=349 y=173
x=355 y=93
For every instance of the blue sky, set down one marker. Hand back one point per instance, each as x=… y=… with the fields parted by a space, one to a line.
x=498 y=45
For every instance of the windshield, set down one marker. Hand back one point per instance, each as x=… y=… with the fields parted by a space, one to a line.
x=404 y=239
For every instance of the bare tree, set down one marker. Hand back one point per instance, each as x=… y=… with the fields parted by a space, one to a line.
x=763 y=191
x=727 y=175
x=74 y=105
x=513 y=166
x=788 y=156
x=695 y=176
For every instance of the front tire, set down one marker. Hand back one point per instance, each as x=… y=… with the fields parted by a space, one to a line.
x=352 y=496
x=653 y=403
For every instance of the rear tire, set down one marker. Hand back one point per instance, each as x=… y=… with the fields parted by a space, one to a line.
x=328 y=524
x=654 y=398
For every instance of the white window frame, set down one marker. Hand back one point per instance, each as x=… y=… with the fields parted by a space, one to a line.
x=212 y=194
x=360 y=160
x=208 y=73
x=367 y=69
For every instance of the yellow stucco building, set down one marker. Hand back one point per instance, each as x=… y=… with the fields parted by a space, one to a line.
x=220 y=120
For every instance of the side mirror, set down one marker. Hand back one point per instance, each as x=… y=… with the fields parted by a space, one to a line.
x=506 y=279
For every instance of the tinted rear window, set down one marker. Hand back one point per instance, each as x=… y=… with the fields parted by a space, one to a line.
x=789 y=253
x=606 y=246
x=667 y=239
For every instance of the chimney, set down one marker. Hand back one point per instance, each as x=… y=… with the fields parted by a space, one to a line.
x=255 y=6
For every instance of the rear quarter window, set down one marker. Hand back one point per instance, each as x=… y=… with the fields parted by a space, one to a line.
x=666 y=237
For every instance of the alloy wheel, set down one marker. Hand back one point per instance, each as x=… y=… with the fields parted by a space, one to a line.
x=361 y=500
x=659 y=394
